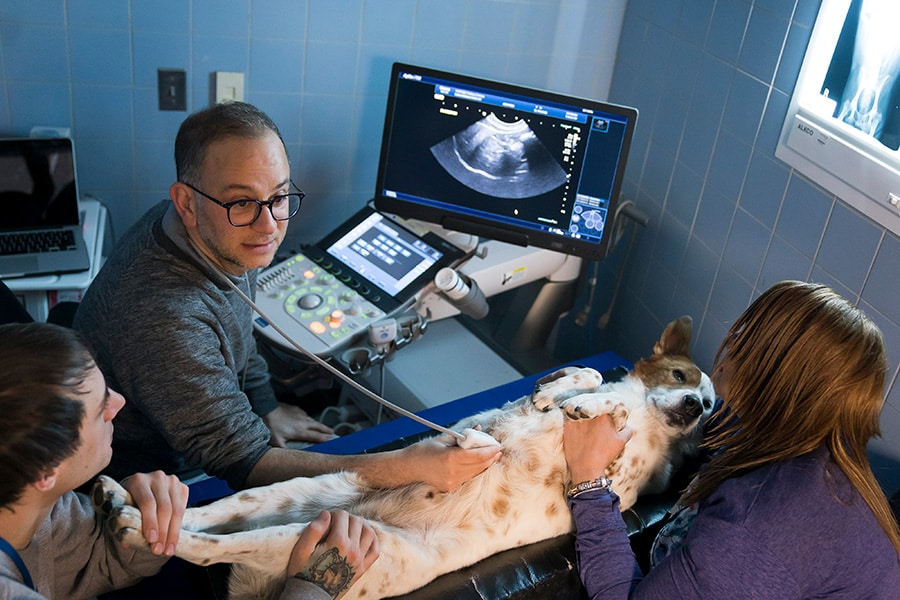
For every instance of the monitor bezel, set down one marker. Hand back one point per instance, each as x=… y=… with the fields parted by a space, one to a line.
x=515 y=233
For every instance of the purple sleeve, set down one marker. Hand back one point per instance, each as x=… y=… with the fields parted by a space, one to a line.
x=606 y=562
x=719 y=559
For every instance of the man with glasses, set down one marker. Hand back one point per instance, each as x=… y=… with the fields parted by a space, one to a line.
x=178 y=342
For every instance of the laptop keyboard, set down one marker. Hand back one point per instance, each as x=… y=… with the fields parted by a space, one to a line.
x=39 y=241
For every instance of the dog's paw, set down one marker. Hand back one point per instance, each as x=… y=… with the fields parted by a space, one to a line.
x=619 y=416
x=557 y=374
x=125 y=522
x=553 y=389
x=107 y=495
x=588 y=406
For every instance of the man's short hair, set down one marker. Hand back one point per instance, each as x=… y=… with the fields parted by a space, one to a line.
x=44 y=368
x=199 y=130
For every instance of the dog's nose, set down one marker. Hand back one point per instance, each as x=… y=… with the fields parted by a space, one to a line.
x=692 y=405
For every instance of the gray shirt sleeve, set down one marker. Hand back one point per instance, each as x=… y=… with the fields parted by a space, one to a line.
x=299 y=589
x=180 y=348
x=185 y=372
x=74 y=555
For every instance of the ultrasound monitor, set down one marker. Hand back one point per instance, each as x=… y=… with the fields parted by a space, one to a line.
x=523 y=166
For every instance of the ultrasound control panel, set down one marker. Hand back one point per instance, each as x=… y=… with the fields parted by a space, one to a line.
x=328 y=310
x=326 y=297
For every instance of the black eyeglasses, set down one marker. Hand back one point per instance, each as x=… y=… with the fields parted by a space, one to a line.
x=242 y=213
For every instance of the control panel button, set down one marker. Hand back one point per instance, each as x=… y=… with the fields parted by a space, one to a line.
x=323 y=304
x=335 y=319
x=310 y=301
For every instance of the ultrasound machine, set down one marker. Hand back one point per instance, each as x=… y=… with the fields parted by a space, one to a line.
x=481 y=187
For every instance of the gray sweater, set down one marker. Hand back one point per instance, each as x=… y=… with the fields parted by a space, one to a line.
x=73 y=555
x=178 y=344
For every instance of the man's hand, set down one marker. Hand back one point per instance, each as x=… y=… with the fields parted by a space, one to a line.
x=590 y=445
x=334 y=551
x=162 y=500
x=439 y=461
x=289 y=423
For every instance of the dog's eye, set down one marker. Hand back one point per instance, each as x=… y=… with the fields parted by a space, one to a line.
x=679 y=376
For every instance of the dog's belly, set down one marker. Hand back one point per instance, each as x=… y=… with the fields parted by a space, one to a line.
x=411 y=558
x=519 y=500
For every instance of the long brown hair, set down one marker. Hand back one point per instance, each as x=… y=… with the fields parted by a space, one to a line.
x=804 y=369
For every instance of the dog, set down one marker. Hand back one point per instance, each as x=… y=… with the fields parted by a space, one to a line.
x=519 y=500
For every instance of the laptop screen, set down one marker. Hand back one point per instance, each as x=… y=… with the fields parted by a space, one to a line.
x=37 y=183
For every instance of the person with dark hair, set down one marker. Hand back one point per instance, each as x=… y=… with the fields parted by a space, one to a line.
x=178 y=341
x=55 y=435
x=787 y=505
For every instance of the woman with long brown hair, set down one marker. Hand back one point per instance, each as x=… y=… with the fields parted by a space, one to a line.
x=787 y=505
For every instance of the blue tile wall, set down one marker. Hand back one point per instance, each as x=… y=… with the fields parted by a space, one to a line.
x=713 y=216
x=728 y=164
x=27 y=11
x=758 y=220
x=93 y=14
x=764 y=188
x=804 y=215
x=723 y=40
x=758 y=55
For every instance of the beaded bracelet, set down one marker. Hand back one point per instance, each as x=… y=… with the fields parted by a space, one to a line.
x=603 y=483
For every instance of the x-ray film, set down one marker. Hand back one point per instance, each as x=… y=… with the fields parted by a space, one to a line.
x=863 y=75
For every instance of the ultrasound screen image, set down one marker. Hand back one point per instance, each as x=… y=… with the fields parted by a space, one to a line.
x=499 y=158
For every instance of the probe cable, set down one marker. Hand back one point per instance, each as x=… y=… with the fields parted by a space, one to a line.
x=322 y=363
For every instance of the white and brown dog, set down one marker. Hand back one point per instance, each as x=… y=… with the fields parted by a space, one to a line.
x=519 y=500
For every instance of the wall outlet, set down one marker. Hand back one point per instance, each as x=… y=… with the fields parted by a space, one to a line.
x=172 y=88
x=229 y=87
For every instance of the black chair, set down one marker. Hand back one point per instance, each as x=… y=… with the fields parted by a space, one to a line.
x=11 y=310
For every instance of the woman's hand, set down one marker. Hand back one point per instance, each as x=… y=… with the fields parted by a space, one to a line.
x=162 y=500
x=590 y=445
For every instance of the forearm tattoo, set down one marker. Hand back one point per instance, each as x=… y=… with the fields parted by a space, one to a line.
x=330 y=571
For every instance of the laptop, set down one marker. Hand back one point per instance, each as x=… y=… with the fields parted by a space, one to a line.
x=40 y=228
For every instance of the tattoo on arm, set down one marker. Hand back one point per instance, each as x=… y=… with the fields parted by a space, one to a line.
x=330 y=571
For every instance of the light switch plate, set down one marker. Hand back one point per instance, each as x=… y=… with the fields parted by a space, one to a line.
x=229 y=87
x=172 y=89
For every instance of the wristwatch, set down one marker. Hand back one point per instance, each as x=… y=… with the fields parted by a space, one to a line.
x=601 y=483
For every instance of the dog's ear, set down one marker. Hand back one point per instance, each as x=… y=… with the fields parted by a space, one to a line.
x=676 y=338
